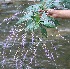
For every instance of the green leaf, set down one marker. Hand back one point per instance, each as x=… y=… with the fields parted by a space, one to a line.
x=56 y=22
x=37 y=18
x=29 y=27
x=28 y=22
x=20 y=21
x=49 y=26
x=43 y=31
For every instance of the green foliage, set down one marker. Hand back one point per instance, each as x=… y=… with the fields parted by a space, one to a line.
x=43 y=30
x=33 y=19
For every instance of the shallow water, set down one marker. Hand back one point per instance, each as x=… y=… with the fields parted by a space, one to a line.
x=26 y=50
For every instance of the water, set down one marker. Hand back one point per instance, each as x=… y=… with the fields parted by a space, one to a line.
x=26 y=50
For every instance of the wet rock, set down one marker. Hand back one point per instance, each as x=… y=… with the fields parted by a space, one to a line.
x=7 y=3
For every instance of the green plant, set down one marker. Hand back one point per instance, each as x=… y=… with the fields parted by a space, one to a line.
x=33 y=19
